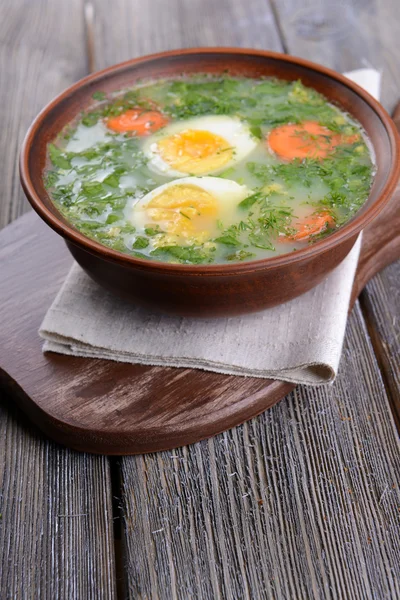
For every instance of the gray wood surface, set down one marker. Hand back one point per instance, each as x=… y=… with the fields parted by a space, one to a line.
x=315 y=511
x=343 y=36
x=381 y=306
x=139 y=27
x=56 y=534
x=298 y=503
x=42 y=52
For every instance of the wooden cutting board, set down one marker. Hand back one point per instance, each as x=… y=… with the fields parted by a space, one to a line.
x=115 y=408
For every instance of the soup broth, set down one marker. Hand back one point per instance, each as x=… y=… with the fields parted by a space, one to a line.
x=202 y=169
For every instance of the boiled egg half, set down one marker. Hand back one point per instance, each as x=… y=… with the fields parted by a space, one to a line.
x=199 y=146
x=188 y=210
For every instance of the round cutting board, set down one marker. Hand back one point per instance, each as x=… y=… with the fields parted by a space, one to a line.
x=116 y=408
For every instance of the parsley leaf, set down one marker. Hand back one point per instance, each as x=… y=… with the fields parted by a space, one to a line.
x=228 y=240
x=58 y=157
x=140 y=242
x=99 y=95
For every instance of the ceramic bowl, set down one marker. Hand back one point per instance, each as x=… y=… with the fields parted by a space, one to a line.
x=221 y=289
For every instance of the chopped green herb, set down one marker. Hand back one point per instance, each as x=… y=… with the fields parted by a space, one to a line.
x=249 y=201
x=228 y=240
x=256 y=131
x=51 y=179
x=151 y=231
x=92 y=189
x=112 y=219
x=113 y=179
x=140 y=242
x=99 y=95
x=91 y=118
x=58 y=157
x=240 y=255
x=184 y=254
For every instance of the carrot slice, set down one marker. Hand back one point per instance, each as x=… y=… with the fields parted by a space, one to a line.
x=136 y=120
x=308 y=227
x=305 y=140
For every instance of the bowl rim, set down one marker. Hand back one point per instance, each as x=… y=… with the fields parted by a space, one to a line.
x=343 y=234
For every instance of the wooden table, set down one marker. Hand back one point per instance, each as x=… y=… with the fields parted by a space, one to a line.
x=300 y=502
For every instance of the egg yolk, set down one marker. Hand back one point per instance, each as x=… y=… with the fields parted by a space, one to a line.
x=184 y=210
x=195 y=151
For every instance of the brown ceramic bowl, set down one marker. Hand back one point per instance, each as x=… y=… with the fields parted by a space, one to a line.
x=214 y=290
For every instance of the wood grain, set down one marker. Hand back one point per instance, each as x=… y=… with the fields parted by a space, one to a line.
x=56 y=535
x=298 y=503
x=138 y=28
x=380 y=244
x=315 y=466
x=367 y=34
x=345 y=35
x=96 y=405
x=41 y=52
x=381 y=307
x=55 y=505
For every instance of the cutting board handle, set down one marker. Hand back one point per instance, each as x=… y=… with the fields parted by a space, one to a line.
x=381 y=239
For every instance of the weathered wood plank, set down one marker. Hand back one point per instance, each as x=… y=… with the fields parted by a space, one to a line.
x=41 y=53
x=56 y=534
x=298 y=503
x=139 y=28
x=345 y=35
x=381 y=306
x=56 y=539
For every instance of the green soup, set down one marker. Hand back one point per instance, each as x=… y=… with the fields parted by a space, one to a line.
x=201 y=169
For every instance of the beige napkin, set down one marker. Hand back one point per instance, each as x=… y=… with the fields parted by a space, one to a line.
x=299 y=341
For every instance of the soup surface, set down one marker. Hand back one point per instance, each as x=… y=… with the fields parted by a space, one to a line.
x=205 y=169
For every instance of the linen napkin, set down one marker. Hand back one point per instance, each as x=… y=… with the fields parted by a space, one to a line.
x=299 y=341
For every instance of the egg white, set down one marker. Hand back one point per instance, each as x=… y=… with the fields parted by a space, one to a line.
x=232 y=129
x=227 y=193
